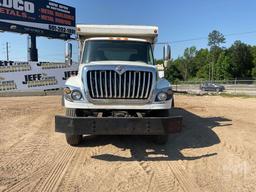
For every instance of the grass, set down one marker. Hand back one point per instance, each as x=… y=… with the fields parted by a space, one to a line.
x=237 y=95
x=220 y=94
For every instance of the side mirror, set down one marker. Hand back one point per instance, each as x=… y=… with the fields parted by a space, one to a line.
x=166 y=54
x=68 y=54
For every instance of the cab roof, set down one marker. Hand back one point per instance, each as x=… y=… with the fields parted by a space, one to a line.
x=148 y=33
x=117 y=39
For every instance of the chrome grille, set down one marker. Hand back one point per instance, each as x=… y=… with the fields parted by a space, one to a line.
x=108 y=84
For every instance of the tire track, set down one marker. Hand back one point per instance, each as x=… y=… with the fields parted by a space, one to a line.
x=29 y=155
x=53 y=180
x=186 y=182
x=157 y=178
x=12 y=127
x=55 y=166
x=162 y=175
x=110 y=171
x=77 y=175
x=83 y=159
x=237 y=150
x=157 y=172
x=132 y=174
x=71 y=176
x=32 y=142
x=246 y=169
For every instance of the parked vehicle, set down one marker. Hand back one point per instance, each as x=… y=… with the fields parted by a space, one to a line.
x=118 y=90
x=212 y=87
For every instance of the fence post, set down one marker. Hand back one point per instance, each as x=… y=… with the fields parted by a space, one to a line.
x=235 y=85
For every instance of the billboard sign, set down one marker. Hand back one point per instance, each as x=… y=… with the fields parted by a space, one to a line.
x=34 y=76
x=39 y=17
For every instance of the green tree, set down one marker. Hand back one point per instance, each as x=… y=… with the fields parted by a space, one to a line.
x=215 y=39
x=181 y=64
x=253 y=53
x=203 y=72
x=223 y=67
x=160 y=61
x=186 y=63
x=201 y=62
x=254 y=73
x=241 y=60
x=238 y=61
x=189 y=56
x=172 y=73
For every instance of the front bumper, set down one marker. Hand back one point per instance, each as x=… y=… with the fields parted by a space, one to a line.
x=148 y=106
x=118 y=126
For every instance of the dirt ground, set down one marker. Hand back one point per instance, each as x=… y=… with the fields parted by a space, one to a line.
x=215 y=151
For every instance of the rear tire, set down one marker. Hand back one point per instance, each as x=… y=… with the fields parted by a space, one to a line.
x=73 y=140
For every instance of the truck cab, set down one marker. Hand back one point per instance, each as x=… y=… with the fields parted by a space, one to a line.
x=118 y=90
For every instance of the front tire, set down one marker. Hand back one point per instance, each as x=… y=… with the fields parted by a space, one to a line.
x=73 y=140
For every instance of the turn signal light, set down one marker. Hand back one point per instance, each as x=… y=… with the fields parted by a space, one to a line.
x=67 y=91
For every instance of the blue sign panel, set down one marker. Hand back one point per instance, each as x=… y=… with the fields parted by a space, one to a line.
x=39 y=17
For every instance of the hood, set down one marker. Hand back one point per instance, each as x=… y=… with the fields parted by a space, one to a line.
x=124 y=63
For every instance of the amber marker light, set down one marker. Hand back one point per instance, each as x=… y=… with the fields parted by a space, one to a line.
x=67 y=90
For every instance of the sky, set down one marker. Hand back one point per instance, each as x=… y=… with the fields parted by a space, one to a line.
x=178 y=20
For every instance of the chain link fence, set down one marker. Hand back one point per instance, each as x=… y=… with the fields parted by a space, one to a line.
x=236 y=87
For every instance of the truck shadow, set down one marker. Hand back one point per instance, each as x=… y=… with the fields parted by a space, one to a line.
x=197 y=133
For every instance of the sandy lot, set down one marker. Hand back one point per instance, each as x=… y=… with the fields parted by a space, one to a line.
x=215 y=152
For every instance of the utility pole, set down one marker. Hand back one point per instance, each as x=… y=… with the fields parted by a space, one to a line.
x=32 y=49
x=209 y=72
x=213 y=71
x=7 y=51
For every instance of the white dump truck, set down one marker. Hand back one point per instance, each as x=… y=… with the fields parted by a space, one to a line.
x=118 y=90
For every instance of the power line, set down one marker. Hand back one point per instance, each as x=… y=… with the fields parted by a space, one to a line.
x=205 y=38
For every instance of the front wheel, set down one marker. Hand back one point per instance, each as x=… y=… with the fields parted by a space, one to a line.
x=73 y=140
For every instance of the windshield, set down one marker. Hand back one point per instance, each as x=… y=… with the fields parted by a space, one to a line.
x=115 y=50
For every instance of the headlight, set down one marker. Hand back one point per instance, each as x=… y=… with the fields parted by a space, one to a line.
x=67 y=90
x=76 y=95
x=162 y=96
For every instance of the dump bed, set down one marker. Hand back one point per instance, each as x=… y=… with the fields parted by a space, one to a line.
x=148 y=33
